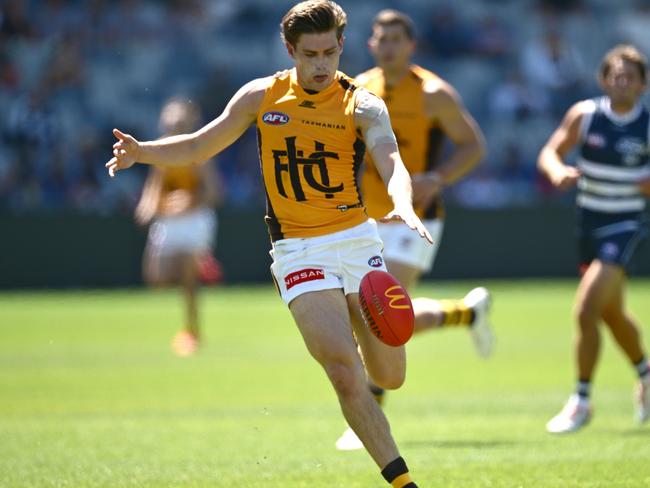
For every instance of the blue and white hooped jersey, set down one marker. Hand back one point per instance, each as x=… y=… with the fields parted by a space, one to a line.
x=614 y=154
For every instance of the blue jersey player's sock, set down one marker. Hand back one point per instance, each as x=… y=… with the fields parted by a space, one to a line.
x=643 y=368
x=583 y=389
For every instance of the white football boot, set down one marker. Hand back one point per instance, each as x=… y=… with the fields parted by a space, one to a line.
x=575 y=415
x=480 y=301
x=643 y=400
x=349 y=441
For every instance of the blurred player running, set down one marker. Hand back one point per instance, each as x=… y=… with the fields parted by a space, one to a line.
x=424 y=111
x=179 y=204
x=313 y=127
x=612 y=135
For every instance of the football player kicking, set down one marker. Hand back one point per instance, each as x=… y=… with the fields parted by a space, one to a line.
x=612 y=135
x=313 y=126
x=424 y=112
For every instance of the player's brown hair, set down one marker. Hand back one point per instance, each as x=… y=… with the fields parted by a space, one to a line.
x=393 y=17
x=312 y=17
x=624 y=52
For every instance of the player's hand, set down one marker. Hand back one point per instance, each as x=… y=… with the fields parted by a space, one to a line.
x=125 y=153
x=407 y=215
x=426 y=187
x=565 y=177
x=644 y=185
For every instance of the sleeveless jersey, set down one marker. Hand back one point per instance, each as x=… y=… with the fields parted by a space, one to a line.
x=613 y=155
x=420 y=140
x=310 y=155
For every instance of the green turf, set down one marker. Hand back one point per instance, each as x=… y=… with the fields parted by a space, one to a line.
x=91 y=396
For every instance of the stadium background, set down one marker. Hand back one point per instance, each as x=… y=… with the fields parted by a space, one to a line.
x=72 y=70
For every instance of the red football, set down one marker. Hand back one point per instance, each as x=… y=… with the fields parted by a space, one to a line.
x=386 y=308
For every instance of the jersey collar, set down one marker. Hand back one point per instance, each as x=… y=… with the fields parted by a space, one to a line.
x=314 y=96
x=620 y=119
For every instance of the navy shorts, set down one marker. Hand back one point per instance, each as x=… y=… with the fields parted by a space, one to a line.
x=609 y=238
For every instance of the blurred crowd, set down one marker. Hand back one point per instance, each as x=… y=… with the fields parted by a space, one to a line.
x=70 y=70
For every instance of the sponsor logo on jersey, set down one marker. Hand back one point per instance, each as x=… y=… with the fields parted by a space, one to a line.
x=395 y=293
x=375 y=261
x=275 y=118
x=596 y=140
x=323 y=125
x=307 y=104
x=302 y=276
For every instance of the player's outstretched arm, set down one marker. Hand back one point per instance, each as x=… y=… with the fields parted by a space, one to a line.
x=372 y=119
x=198 y=146
x=551 y=158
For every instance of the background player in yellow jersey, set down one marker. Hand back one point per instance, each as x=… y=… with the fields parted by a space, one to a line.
x=179 y=204
x=313 y=124
x=424 y=112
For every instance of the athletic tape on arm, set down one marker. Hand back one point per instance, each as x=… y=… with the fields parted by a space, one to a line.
x=373 y=110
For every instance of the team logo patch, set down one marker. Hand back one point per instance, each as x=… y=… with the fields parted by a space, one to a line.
x=375 y=261
x=632 y=149
x=275 y=118
x=302 y=276
x=596 y=140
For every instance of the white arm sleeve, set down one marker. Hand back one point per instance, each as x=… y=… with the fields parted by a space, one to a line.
x=375 y=122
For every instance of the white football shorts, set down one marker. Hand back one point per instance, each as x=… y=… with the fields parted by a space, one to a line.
x=189 y=232
x=337 y=260
x=405 y=246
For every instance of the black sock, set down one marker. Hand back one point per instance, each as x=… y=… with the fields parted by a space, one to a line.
x=397 y=474
x=377 y=392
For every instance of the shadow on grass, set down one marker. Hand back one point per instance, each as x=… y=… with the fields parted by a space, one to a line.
x=638 y=432
x=460 y=443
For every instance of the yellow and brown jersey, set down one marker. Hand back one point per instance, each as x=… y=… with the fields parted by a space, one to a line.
x=176 y=180
x=419 y=138
x=310 y=155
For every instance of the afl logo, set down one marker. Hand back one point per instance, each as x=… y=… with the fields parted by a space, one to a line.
x=375 y=261
x=275 y=118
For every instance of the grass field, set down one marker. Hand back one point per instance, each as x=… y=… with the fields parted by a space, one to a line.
x=90 y=396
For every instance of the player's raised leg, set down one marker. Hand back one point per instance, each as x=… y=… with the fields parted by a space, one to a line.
x=471 y=312
x=385 y=365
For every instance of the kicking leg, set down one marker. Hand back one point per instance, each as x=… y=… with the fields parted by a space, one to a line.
x=324 y=322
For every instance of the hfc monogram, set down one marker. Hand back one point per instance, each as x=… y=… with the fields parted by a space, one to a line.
x=313 y=168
